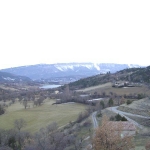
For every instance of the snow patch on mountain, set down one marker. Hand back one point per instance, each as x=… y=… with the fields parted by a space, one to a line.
x=73 y=66
x=8 y=78
x=64 y=67
x=97 y=66
x=88 y=66
x=132 y=66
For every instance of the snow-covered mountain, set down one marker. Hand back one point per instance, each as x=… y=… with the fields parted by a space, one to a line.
x=66 y=71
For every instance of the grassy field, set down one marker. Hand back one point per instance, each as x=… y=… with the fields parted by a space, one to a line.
x=107 y=88
x=41 y=116
x=140 y=107
x=89 y=89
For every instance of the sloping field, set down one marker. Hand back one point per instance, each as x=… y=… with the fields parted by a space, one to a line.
x=37 y=117
x=107 y=88
x=102 y=86
x=140 y=107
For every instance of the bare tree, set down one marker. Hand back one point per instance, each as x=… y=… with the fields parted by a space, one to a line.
x=147 y=146
x=109 y=137
x=40 y=100
x=19 y=124
x=25 y=103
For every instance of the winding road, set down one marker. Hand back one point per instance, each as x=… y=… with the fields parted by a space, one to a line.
x=95 y=123
x=114 y=109
x=122 y=113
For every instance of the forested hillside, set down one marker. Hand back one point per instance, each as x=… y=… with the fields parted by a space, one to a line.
x=8 y=77
x=138 y=75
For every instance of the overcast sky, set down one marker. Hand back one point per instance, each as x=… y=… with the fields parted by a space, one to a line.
x=56 y=31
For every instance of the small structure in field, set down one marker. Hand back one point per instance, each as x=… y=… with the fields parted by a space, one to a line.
x=122 y=84
x=56 y=92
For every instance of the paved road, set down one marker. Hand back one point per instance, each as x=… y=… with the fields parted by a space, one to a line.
x=114 y=109
x=95 y=124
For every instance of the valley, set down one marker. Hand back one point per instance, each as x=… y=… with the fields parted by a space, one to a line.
x=76 y=109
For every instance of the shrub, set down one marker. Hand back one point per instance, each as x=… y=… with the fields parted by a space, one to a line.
x=102 y=104
x=128 y=102
x=110 y=102
x=2 y=110
x=99 y=115
x=120 y=118
x=123 y=119
x=87 y=123
x=112 y=118
x=140 y=96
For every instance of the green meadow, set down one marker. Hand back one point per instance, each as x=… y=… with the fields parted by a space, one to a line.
x=41 y=116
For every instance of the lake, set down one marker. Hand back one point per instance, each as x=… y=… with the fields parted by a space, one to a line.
x=97 y=99
x=51 y=86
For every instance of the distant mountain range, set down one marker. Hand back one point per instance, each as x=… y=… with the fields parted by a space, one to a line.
x=8 y=77
x=68 y=72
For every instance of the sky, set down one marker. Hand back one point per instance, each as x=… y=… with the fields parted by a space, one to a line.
x=63 y=31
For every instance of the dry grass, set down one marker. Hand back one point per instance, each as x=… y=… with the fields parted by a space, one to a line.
x=38 y=117
x=107 y=88
x=8 y=88
x=140 y=107
x=89 y=89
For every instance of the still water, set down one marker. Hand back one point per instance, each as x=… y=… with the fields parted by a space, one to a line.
x=51 y=86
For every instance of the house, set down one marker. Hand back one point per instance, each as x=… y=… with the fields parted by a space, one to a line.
x=56 y=92
x=127 y=127
x=118 y=84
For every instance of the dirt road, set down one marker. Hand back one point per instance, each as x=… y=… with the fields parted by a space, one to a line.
x=95 y=123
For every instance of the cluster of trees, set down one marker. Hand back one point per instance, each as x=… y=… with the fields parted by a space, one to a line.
x=91 y=81
x=8 y=97
x=83 y=116
x=48 y=138
x=118 y=118
x=141 y=75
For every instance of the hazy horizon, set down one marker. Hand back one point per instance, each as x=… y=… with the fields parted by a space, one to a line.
x=49 y=32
